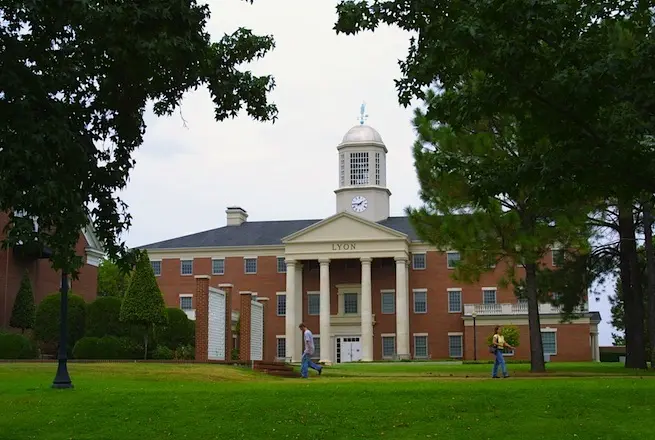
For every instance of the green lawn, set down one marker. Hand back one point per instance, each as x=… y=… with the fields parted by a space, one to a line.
x=378 y=401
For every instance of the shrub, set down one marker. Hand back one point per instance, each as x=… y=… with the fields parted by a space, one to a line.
x=103 y=318
x=186 y=352
x=179 y=330
x=23 y=313
x=107 y=347
x=15 y=346
x=46 y=328
x=163 y=352
x=87 y=348
x=510 y=333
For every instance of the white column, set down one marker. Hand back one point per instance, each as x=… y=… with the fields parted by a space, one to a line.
x=402 y=309
x=325 y=329
x=291 y=326
x=299 y=312
x=595 y=347
x=367 y=311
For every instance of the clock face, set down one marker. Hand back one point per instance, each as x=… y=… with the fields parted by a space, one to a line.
x=359 y=204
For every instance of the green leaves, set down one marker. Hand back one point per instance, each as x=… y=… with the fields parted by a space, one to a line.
x=23 y=313
x=143 y=303
x=75 y=83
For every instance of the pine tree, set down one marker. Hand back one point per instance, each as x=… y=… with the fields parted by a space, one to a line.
x=143 y=304
x=24 y=311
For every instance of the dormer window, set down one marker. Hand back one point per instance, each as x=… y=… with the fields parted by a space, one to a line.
x=359 y=168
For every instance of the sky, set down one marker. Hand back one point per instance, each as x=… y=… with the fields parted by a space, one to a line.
x=191 y=168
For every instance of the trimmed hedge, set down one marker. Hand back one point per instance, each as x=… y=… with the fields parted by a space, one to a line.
x=163 y=352
x=15 y=346
x=46 y=328
x=179 y=330
x=107 y=347
x=23 y=313
x=103 y=318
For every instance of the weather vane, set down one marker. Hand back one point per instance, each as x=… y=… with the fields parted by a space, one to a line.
x=362 y=113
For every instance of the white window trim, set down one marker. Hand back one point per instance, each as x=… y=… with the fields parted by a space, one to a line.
x=427 y=345
x=161 y=266
x=184 y=295
x=316 y=293
x=382 y=292
x=342 y=289
x=256 y=264
x=218 y=259
x=388 y=335
x=455 y=289
x=448 y=261
x=414 y=292
x=551 y=330
x=277 y=304
x=277 y=265
x=461 y=335
x=277 y=338
x=181 y=265
x=485 y=289
x=425 y=260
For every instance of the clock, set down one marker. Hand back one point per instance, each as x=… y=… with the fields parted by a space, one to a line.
x=359 y=204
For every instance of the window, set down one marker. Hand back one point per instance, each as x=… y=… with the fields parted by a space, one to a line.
x=455 y=346
x=350 y=303
x=452 y=259
x=186 y=302
x=359 y=168
x=454 y=301
x=281 y=347
x=388 y=346
x=186 y=267
x=317 y=347
x=156 y=267
x=281 y=304
x=377 y=168
x=489 y=296
x=549 y=341
x=420 y=301
x=388 y=302
x=421 y=346
x=342 y=170
x=558 y=257
x=218 y=266
x=313 y=304
x=281 y=265
x=418 y=261
x=250 y=265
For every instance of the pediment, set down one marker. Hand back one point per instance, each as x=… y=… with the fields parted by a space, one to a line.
x=344 y=227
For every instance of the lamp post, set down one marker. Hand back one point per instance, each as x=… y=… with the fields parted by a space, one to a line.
x=62 y=378
x=475 y=337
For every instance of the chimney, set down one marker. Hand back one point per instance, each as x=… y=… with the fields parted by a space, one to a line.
x=236 y=216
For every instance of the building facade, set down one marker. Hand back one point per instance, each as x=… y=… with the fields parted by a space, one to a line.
x=361 y=280
x=45 y=281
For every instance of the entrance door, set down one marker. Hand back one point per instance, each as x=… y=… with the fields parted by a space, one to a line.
x=349 y=349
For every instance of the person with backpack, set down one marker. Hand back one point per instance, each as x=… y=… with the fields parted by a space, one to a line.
x=497 y=347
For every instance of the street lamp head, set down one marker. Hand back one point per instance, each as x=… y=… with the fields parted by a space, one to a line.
x=473 y=314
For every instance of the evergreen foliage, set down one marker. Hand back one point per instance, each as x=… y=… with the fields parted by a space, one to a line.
x=23 y=313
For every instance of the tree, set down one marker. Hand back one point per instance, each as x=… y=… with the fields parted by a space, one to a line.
x=75 y=83
x=23 y=314
x=103 y=318
x=47 y=328
x=143 y=304
x=482 y=195
x=112 y=281
x=178 y=331
x=579 y=73
x=511 y=334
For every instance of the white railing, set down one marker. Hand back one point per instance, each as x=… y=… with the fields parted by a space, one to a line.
x=513 y=309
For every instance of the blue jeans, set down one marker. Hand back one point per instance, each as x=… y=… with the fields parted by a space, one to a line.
x=306 y=364
x=500 y=360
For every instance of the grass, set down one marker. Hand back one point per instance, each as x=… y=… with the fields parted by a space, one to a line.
x=373 y=401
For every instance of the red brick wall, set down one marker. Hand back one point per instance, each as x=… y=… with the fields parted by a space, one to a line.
x=573 y=342
x=436 y=278
x=44 y=280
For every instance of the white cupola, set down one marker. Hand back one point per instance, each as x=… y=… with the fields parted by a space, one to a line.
x=363 y=173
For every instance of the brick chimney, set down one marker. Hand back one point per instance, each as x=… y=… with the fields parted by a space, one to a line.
x=236 y=216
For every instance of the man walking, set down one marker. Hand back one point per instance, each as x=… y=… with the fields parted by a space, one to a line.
x=306 y=363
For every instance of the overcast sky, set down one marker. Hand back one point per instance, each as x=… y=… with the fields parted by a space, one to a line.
x=190 y=168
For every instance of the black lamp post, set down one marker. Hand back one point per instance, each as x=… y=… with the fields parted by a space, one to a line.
x=62 y=379
x=475 y=337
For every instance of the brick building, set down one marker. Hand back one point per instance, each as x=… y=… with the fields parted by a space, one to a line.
x=14 y=262
x=361 y=280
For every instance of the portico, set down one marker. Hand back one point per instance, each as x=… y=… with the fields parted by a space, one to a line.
x=345 y=236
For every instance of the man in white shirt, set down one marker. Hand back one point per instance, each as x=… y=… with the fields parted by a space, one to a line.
x=307 y=353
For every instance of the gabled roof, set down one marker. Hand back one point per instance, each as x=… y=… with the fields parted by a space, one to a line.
x=343 y=221
x=268 y=233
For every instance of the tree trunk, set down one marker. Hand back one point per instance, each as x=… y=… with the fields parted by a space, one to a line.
x=537 y=364
x=650 y=271
x=145 y=343
x=633 y=304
